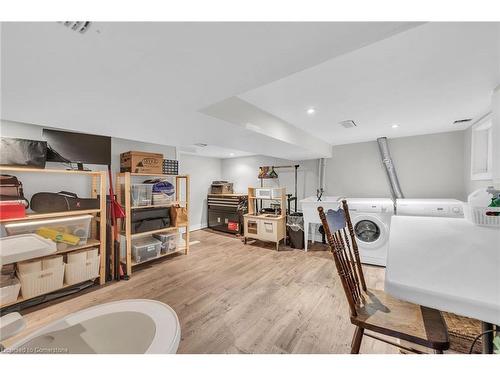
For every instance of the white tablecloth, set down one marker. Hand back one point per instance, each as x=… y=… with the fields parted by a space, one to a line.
x=445 y=263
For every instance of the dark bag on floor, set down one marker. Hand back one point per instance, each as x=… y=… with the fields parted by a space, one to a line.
x=62 y=201
x=11 y=189
x=147 y=219
x=23 y=152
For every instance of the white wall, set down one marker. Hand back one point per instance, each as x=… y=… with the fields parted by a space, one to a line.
x=429 y=166
x=78 y=184
x=243 y=173
x=202 y=171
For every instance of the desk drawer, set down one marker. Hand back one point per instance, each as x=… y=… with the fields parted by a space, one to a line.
x=267 y=230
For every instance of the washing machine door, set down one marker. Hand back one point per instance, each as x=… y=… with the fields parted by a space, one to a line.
x=371 y=232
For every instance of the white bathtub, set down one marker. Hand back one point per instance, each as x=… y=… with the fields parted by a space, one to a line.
x=310 y=209
x=135 y=326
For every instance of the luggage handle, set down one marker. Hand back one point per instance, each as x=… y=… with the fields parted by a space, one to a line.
x=68 y=193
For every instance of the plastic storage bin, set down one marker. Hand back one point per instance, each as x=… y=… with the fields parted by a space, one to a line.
x=36 y=283
x=79 y=271
x=9 y=291
x=168 y=242
x=145 y=248
x=487 y=216
x=141 y=194
x=78 y=226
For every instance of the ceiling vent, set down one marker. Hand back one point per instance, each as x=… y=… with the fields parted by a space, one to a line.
x=78 y=26
x=201 y=144
x=348 y=124
x=462 y=121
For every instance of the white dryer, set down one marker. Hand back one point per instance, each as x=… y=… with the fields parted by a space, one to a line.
x=371 y=220
x=429 y=207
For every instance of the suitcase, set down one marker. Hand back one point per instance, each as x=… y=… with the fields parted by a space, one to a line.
x=148 y=219
x=62 y=201
x=11 y=189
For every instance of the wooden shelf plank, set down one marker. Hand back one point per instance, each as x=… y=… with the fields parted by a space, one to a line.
x=7 y=168
x=135 y=235
x=51 y=215
x=153 y=175
x=157 y=205
x=90 y=243
x=22 y=299
x=180 y=249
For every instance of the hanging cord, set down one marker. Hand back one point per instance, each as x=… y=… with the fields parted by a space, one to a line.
x=481 y=335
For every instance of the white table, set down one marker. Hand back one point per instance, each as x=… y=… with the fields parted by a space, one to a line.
x=447 y=264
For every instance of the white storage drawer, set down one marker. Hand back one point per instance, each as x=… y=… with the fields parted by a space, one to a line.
x=77 y=272
x=36 y=283
x=267 y=230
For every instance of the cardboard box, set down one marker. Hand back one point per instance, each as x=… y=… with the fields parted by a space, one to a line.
x=141 y=162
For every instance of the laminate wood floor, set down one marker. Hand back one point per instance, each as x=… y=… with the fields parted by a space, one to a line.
x=236 y=298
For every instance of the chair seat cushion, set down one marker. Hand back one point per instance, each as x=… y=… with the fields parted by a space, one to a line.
x=387 y=315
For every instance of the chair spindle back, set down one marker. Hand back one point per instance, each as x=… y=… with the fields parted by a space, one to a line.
x=346 y=257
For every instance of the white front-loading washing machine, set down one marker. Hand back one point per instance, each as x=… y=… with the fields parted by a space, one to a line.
x=371 y=220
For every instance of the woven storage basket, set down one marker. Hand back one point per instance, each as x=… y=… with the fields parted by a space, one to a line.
x=78 y=272
x=462 y=331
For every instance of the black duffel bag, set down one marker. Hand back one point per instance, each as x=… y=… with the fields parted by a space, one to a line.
x=62 y=201
x=148 y=219
x=23 y=152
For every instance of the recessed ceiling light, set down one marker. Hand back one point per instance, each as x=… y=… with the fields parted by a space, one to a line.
x=395 y=126
x=311 y=111
x=231 y=154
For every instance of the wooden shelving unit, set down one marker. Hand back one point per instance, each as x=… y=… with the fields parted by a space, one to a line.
x=123 y=188
x=97 y=232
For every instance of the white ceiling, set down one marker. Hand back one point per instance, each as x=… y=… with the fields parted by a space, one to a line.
x=421 y=79
x=147 y=81
x=154 y=81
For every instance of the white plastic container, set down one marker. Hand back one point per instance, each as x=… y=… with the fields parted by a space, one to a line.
x=37 y=283
x=77 y=226
x=482 y=215
x=23 y=247
x=78 y=272
x=10 y=292
x=476 y=209
x=141 y=194
x=30 y=266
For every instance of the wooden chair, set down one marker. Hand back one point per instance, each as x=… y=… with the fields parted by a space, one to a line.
x=374 y=310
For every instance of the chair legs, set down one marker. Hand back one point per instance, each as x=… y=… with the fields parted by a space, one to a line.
x=356 y=340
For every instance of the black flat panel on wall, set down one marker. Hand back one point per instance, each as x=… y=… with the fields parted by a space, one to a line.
x=77 y=147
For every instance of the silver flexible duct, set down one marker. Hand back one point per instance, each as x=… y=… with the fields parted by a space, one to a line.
x=321 y=178
x=389 y=168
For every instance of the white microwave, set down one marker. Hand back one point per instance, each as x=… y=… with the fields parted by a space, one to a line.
x=267 y=193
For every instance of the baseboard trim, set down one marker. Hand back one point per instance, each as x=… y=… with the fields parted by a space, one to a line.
x=192 y=228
